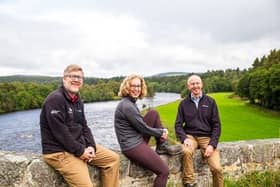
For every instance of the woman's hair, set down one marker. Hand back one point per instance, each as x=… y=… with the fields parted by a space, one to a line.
x=125 y=86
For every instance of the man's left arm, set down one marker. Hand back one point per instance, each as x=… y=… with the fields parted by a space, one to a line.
x=88 y=136
x=90 y=142
x=216 y=126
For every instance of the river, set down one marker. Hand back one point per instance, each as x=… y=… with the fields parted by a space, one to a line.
x=20 y=131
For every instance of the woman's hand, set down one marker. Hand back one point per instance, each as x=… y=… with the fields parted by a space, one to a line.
x=164 y=134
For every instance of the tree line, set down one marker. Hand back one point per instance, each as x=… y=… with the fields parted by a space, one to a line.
x=260 y=84
x=30 y=93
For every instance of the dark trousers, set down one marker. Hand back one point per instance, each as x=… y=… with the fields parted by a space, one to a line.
x=147 y=157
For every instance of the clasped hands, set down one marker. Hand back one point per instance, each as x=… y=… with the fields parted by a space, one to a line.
x=88 y=155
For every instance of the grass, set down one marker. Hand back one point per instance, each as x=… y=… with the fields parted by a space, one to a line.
x=240 y=120
x=256 y=179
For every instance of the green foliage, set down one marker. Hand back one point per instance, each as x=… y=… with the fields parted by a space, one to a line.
x=150 y=90
x=214 y=81
x=261 y=84
x=100 y=92
x=16 y=96
x=240 y=120
x=256 y=179
x=216 y=84
x=243 y=86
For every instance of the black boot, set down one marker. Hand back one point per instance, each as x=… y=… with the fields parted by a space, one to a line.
x=190 y=185
x=165 y=148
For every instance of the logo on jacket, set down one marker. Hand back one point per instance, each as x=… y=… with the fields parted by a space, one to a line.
x=70 y=111
x=205 y=106
x=54 y=111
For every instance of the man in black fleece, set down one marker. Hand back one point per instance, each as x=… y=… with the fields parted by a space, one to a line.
x=198 y=126
x=67 y=141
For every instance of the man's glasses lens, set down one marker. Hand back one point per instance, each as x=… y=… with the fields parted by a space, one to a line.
x=75 y=77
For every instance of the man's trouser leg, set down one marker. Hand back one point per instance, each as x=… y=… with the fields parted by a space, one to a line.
x=213 y=162
x=109 y=162
x=74 y=170
x=187 y=161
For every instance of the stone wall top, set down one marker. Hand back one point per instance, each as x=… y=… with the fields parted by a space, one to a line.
x=237 y=158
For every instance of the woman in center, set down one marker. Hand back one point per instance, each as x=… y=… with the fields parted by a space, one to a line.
x=134 y=131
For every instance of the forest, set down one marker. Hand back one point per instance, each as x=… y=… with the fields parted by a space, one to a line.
x=260 y=84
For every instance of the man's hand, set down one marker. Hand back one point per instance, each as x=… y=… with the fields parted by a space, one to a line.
x=209 y=150
x=88 y=155
x=85 y=156
x=91 y=151
x=188 y=143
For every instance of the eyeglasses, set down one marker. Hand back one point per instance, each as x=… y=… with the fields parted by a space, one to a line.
x=75 y=77
x=135 y=86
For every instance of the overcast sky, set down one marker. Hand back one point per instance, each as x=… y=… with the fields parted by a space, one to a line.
x=119 y=37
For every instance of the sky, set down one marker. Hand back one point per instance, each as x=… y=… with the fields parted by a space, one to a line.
x=116 y=38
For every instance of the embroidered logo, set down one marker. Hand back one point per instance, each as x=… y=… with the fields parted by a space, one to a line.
x=205 y=106
x=55 y=111
x=70 y=111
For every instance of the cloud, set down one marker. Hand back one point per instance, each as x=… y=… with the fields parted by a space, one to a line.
x=112 y=38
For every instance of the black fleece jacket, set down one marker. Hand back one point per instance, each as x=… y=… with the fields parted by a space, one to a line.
x=201 y=121
x=63 y=125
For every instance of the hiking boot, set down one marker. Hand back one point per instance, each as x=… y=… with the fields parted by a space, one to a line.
x=190 y=185
x=165 y=148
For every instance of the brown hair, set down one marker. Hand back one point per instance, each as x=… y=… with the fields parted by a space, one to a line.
x=125 y=86
x=72 y=67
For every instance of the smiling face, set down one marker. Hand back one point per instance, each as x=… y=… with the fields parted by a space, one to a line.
x=135 y=88
x=195 y=85
x=73 y=81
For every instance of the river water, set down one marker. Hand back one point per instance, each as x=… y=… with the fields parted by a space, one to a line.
x=20 y=131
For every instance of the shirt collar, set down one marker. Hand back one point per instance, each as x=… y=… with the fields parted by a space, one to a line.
x=73 y=98
x=196 y=98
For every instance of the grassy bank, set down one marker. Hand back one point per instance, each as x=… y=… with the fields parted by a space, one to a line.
x=256 y=179
x=240 y=121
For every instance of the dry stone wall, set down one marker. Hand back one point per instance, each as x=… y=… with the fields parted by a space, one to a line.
x=237 y=158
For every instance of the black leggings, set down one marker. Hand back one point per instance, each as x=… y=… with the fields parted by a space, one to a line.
x=147 y=157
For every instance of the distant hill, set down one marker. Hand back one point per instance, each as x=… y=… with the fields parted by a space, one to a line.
x=29 y=78
x=170 y=74
x=46 y=79
x=49 y=79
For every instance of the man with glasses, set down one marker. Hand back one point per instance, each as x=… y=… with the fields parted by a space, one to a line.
x=67 y=142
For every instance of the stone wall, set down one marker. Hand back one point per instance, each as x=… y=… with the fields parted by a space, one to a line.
x=237 y=158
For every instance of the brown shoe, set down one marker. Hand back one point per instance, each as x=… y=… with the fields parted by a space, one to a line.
x=165 y=148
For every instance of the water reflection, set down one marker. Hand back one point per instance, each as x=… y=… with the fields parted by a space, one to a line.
x=19 y=131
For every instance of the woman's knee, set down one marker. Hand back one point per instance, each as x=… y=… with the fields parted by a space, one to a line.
x=153 y=113
x=166 y=171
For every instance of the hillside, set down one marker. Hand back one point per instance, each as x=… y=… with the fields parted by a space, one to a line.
x=43 y=79
x=28 y=78
x=170 y=74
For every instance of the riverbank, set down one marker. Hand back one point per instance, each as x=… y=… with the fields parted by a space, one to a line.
x=20 y=131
